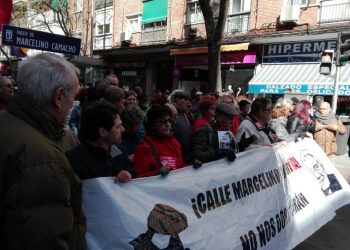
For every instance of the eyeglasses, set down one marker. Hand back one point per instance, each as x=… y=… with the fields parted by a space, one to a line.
x=165 y=120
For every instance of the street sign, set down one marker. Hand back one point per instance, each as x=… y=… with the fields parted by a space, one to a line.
x=33 y=39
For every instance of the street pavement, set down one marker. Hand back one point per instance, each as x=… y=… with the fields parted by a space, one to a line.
x=335 y=234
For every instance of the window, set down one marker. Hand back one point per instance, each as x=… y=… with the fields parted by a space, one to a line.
x=77 y=33
x=104 y=22
x=134 y=24
x=194 y=13
x=103 y=4
x=299 y=2
x=238 y=6
x=79 y=5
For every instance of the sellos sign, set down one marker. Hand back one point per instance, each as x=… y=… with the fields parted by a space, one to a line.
x=32 y=39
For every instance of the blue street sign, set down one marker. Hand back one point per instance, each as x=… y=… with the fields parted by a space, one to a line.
x=33 y=39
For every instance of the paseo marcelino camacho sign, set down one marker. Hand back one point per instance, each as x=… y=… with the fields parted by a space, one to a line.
x=33 y=39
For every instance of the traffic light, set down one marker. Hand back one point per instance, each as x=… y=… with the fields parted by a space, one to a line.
x=326 y=62
x=344 y=48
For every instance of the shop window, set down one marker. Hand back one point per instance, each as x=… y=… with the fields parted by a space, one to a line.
x=194 y=13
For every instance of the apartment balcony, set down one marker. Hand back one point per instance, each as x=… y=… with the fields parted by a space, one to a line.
x=237 y=23
x=153 y=34
x=333 y=11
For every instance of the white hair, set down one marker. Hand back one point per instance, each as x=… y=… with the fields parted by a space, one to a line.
x=40 y=75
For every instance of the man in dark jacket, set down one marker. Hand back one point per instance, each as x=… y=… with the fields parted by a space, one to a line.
x=214 y=141
x=40 y=194
x=97 y=155
x=182 y=128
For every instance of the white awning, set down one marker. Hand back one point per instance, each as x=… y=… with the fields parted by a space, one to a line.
x=299 y=78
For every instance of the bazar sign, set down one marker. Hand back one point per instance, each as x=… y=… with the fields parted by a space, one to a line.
x=303 y=51
x=33 y=39
x=313 y=89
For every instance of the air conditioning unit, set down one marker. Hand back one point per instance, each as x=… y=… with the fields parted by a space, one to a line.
x=290 y=14
x=125 y=37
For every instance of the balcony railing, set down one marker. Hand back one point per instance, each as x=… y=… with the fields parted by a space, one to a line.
x=103 y=42
x=153 y=34
x=331 y=12
x=237 y=23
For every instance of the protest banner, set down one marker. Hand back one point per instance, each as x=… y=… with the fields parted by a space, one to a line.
x=268 y=198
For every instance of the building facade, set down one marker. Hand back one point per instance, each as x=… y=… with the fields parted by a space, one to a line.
x=161 y=44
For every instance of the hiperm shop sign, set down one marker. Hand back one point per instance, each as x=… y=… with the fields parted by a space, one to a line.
x=33 y=39
x=269 y=198
x=300 y=51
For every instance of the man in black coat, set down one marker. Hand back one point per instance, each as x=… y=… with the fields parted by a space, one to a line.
x=98 y=156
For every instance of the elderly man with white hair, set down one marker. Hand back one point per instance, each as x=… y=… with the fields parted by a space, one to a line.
x=40 y=194
x=327 y=125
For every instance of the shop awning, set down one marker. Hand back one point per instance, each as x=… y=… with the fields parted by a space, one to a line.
x=299 y=78
x=154 y=11
x=204 y=50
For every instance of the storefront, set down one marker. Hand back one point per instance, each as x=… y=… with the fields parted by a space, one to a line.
x=293 y=67
x=191 y=66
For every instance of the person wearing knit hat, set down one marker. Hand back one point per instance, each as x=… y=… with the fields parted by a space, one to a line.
x=162 y=221
x=116 y=96
x=159 y=151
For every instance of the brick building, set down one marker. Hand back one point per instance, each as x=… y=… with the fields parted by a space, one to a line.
x=269 y=46
x=161 y=44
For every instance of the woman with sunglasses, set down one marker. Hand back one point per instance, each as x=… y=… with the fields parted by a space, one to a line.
x=159 y=152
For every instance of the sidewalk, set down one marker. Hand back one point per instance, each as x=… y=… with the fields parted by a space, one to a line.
x=342 y=163
x=335 y=234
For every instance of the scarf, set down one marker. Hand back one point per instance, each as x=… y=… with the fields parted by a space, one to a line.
x=325 y=120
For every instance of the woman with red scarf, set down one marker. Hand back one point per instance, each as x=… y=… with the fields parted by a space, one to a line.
x=159 y=151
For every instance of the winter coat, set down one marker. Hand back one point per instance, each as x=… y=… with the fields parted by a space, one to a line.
x=264 y=135
x=129 y=142
x=40 y=194
x=89 y=161
x=327 y=138
x=205 y=144
x=279 y=125
x=182 y=132
x=296 y=125
x=167 y=150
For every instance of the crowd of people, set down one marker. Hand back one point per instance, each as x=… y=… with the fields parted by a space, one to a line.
x=50 y=143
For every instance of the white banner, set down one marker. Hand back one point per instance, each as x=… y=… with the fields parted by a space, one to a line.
x=258 y=201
